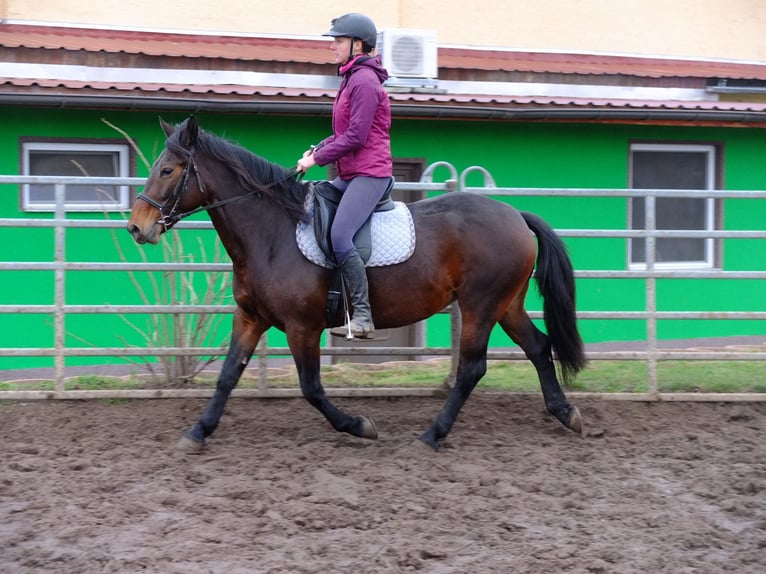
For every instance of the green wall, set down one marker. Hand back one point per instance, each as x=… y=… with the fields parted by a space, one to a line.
x=524 y=154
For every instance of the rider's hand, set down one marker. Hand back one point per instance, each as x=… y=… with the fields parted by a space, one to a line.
x=307 y=161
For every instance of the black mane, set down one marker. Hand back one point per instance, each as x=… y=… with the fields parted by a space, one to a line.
x=254 y=173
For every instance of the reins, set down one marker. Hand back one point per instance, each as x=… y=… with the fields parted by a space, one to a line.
x=169 y=218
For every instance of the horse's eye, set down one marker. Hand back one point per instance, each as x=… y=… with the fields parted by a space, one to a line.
x=167 y=170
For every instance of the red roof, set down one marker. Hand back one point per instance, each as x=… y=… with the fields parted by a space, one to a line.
x=316 y=51
x=593 y=64
x=227 y=89
x=159 y=44
x=211 y=52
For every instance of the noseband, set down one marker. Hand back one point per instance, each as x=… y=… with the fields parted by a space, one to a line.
x=169 y=217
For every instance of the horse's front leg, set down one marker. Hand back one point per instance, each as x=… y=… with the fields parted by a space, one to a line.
x=305 y=349
x=245 y=335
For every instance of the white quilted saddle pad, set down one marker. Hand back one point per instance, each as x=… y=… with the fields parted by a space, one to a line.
x=393 y=238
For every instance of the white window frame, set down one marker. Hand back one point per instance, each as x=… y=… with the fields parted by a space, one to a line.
x=710 y=178
x=122 y=199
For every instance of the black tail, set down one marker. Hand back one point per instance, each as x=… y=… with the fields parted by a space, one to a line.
x=555 y=280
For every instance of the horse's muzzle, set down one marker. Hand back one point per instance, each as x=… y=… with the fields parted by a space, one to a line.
x=142 y=237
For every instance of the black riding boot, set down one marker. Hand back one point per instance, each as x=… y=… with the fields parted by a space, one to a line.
x=355 y=279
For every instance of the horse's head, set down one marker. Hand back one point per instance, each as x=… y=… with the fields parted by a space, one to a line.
x=173 y=187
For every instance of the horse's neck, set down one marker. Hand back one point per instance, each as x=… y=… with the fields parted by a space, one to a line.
x=252 y=226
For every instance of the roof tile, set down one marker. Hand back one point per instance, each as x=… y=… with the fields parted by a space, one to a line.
x=310 y=51
x=316 y=51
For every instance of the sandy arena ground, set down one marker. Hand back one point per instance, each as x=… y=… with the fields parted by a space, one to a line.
x=96 y=486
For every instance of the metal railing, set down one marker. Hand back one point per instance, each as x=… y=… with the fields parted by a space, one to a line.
x=59 y=309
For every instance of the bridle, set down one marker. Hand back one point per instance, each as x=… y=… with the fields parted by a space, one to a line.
x=169 y=217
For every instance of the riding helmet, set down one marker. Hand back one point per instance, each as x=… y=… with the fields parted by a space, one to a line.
x=354 y=25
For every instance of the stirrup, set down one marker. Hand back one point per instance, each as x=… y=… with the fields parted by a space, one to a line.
x=349 y=334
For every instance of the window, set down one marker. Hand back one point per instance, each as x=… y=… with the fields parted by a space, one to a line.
x=97 y=159
x=671 y=166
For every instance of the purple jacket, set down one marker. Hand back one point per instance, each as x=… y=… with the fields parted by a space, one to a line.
x=361 y=120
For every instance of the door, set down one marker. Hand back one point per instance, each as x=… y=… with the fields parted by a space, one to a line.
x=405 y=169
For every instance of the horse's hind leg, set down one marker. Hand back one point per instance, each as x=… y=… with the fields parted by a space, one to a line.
x=305 y=349
x=244 y=338
x=472 y=364
x=537 y=346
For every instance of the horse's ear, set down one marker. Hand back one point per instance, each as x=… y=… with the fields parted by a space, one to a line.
x=190 y=132
x=167 y=128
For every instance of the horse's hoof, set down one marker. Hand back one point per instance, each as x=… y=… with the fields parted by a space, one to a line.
x=369 y=430
x=188 y=445
x=427 y=440
x=575 y=420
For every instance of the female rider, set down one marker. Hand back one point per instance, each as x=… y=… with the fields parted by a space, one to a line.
x=361 y=147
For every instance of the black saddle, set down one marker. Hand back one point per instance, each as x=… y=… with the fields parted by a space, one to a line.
x=326 y=200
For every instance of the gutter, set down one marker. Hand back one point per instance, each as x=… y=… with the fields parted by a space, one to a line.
x=430 y=111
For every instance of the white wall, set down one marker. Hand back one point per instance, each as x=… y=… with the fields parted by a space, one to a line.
x=732 y=29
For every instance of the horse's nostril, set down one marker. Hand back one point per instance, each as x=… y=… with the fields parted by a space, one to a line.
x=134 y=231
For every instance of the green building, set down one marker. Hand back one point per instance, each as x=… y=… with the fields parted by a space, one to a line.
x=79 y=102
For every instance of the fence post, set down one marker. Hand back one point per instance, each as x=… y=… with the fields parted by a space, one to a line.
x=455 y=330
x=59 y=257
x=651 y=295
x=262 y=352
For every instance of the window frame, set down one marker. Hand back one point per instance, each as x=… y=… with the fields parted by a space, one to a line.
x=712 y=206
x=125 y=166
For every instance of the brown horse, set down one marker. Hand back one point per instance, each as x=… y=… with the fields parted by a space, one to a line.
x=470 y=249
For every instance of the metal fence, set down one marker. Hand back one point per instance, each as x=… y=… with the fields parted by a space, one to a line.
x=59 y=309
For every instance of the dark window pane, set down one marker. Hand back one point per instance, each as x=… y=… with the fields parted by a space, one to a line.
x=74 y=163
x=670 y=170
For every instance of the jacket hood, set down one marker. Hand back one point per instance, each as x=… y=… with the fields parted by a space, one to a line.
x=375 y=63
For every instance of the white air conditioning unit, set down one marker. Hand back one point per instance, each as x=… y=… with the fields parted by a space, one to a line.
x=408 y=53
